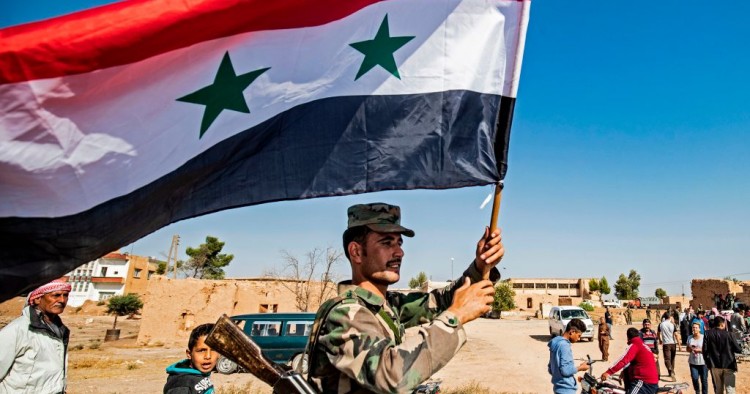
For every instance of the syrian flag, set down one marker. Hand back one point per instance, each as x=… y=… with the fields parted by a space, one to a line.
x=119 y=120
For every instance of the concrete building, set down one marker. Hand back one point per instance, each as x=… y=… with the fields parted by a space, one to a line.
x=533 y=293
x=113 y=274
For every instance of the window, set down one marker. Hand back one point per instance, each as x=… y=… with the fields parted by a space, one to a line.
x=551 y=285
x=541 y=285
x=518 y=285
x=574 y=285
x=563 y=285
x=268 y=308
x=149 y=275
x=529 y=303
x=298 y=328
x=137 y=273
x=266 y=329
x=528 y=285
x=574 y=314
x=105 y=295
x=104 y=271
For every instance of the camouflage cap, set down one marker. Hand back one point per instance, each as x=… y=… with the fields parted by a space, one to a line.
x=380 y=217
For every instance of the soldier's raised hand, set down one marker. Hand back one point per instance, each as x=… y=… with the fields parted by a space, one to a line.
x=490 y=250
x=472 y=300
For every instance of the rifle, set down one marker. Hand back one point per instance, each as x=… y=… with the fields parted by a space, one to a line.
x=229 y=340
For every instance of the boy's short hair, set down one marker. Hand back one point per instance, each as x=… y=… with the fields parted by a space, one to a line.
x=576 y=324
x=198 y=332
x=632 y=333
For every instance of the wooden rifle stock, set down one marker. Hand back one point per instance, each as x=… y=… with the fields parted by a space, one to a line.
x=229 y=340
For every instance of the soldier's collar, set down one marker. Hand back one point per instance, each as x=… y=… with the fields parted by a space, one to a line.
x=365 y=295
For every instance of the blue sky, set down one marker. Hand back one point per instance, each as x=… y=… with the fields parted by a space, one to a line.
x=629 y=150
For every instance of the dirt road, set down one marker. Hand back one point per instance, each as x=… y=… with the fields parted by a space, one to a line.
x=506 y=356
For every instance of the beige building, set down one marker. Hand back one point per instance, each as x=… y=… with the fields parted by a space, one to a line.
x=532 y=293
x=112 y=274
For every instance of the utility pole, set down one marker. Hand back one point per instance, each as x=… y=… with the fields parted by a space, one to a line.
x=452 y=277
x=173 y=249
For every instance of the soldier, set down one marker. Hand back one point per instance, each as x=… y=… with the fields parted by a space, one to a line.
x=605 y=333
x=629 y=316
x=358 y=343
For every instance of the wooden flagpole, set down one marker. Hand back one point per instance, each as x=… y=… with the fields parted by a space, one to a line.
x=493 y=221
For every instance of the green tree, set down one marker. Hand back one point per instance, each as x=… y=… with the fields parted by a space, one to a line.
x=161 y=266
x=503 y=300
x=418 y=281
x=604 y=286
x=660 y=293
x=600 y=286
x=593 y=285
x=124 y=305
x=626 y=287
x=206 y=261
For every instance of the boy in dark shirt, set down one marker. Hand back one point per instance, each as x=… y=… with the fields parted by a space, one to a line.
x=192 y=375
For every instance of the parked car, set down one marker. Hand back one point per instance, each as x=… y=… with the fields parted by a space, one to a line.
x=611 y=303
x=560 y=316
x=281 y=336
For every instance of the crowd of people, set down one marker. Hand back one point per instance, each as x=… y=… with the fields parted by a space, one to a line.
x=711 y=338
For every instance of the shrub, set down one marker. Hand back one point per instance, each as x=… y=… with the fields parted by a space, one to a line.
x=586 y=306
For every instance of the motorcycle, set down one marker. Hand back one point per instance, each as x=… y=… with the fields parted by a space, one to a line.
x=744 y=342
x=591 y=385
x=428 y=387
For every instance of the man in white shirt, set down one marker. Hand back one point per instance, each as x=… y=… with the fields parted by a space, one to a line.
x=668 y=337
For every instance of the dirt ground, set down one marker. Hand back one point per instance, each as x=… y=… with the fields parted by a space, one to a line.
x=505 y=356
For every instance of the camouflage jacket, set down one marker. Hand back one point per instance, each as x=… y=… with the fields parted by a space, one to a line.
x=357 y=351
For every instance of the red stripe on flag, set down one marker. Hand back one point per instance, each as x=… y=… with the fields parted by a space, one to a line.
x=131 y=31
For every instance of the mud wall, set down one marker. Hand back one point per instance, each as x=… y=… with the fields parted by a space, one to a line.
x=704 y=290
x=173 y=307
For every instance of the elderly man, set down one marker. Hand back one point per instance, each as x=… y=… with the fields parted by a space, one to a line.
x=359 y=343
x=33 y=347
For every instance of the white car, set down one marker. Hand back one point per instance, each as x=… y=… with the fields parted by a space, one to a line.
x=560 y=316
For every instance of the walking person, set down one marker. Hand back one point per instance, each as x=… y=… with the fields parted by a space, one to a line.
x=667 y=331
x=561 y=365
x=698 y=369
x=650 y=338
x=629 y=315
x=718 y=352
x=608 y=319
x=604 y=335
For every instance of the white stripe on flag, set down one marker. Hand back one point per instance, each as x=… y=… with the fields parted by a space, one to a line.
x=74 y=142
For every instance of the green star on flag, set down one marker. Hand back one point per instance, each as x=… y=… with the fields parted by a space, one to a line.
x=379 y=51
x=224 y=93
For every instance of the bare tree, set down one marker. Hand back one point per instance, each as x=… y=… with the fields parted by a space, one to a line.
x=312 y=280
